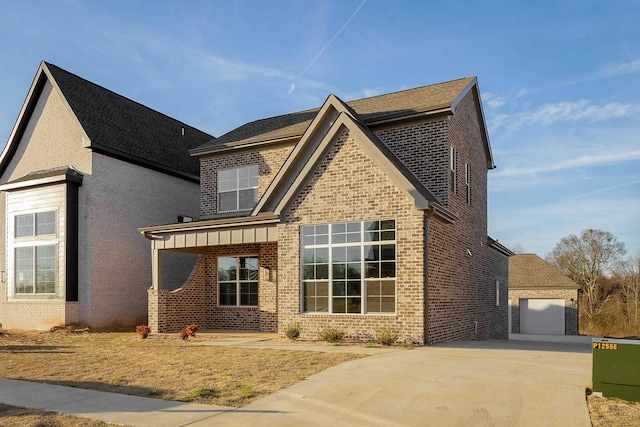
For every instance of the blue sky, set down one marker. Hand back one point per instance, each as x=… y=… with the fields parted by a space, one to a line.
x=560 y=81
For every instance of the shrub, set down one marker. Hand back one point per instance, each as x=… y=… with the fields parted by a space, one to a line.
x=332 y=334
x=293 y=331
x=387 y=336
x=189 y=331
x=143 y=330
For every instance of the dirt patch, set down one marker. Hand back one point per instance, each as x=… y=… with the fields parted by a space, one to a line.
x=163 y=367
x=606 y=412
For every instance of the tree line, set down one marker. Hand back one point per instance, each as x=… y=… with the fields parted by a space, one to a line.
x=609 y=281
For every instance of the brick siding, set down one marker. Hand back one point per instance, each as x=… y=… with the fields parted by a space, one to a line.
x=462 y=288
x=197 y=301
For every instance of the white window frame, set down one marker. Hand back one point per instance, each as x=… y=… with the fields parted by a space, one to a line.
x=452 y=169
x=237 y=186
x=238 y=282
x=330 y=245
x=33 y=241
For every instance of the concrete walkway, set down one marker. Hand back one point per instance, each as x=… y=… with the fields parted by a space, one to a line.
x=495 y=383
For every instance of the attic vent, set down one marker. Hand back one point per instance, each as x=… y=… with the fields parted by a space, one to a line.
x=182 y=131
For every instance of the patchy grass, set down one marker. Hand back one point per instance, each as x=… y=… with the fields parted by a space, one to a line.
x=607 y=412
x=12 y=416
x=162 y=367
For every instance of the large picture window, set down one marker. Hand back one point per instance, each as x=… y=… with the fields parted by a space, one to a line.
x=349 y=267
x=238 y=281
x=34 y=253
x=237 y=189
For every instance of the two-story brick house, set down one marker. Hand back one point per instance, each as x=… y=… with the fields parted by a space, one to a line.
x=365 y=215
x=82 y=170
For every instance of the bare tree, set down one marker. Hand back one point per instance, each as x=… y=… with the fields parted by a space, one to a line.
x=587 y=258
x=518 y=249
x=629 y=277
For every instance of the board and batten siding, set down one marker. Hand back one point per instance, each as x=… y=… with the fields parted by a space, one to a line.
x=39 y=199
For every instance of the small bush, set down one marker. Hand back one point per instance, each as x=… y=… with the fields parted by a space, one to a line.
x=332 y=334
x=143 y=330
x=293 y=331
x=189 y=331
x=387 y=336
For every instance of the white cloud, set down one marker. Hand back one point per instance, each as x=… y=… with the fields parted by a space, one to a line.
x=560 y=112
x=592 y=159
x=619 y=69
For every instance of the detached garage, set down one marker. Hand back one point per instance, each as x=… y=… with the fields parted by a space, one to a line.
x=542 y=299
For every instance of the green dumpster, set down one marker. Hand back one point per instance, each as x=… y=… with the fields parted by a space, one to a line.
x=616 y=368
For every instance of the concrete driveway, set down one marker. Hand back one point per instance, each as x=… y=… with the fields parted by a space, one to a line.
x=495 y=383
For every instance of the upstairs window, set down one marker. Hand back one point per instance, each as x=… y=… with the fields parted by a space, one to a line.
x=467 y=181
x=452 y=169
x=237 y=189
x=35 y=224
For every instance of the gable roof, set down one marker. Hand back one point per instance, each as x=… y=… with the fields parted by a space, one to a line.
x=332 y=118
x=531 y=271
x=115 y=125
x=433 y=99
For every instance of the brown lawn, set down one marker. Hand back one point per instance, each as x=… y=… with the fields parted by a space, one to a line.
x=11 y=416
x=163 y=367
x=606 y=412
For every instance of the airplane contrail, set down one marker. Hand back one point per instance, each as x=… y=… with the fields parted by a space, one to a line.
x=315 y=58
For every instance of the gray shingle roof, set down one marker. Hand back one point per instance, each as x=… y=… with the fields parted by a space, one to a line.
x=124 y=128
x=531 y=271
x=368 y=110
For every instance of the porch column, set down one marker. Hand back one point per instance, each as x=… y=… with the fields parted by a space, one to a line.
x=156 y=278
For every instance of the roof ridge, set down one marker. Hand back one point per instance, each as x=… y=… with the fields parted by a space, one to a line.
x=49 y=64
x=410 y=89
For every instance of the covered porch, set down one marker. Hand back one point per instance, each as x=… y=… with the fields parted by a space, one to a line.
x=233 y=285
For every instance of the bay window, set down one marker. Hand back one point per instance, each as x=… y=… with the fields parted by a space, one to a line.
x=35 y=247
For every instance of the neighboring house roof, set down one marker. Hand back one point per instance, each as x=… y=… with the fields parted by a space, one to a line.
x=531 y=271
x=406 y=104
x=115 y=125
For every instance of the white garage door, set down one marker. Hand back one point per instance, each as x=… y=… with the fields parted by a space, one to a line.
x=542 y=316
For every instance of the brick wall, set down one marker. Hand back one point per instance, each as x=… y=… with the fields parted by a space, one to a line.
x=423 y=147
x=122 y=198
x=462 y=288
x=570 y=297
x=269 y=161
x=52 y=138
x=197 y=301
x=348 y=186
